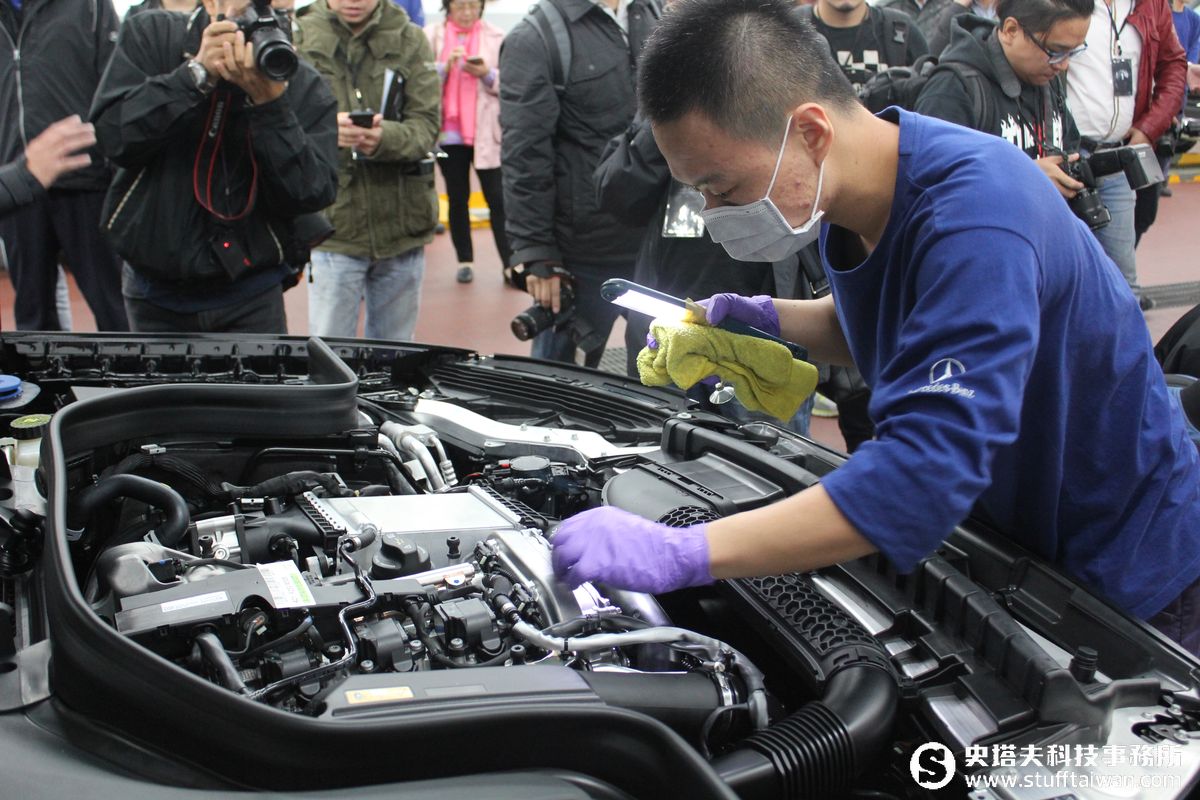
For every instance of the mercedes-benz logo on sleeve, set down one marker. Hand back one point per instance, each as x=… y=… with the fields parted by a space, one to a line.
x=946 y=369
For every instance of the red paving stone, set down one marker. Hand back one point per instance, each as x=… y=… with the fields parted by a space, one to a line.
x=476 y=315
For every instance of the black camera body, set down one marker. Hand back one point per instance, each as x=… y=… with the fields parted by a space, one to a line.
x=1139 y=163
x=537 y=318
x=274 y=53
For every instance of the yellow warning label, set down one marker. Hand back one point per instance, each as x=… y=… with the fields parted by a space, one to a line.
x=386 y=694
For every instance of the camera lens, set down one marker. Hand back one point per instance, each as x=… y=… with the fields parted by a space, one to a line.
x=532 y=321
x=274 y=54
x=1089 y=208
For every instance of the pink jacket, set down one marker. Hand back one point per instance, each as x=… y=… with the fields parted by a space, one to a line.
x=487 y=106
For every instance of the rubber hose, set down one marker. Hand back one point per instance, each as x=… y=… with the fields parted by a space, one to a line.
x=159 y=495
x=819 y=750
x=213 y=653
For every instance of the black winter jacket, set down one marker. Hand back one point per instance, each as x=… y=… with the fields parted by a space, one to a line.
x=633 y=182
x=150 y=118
x=50 y=65
x=18 y=187
x=1018 y=110
x=550 y=145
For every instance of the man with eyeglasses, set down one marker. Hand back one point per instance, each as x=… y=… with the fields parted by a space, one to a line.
x=1125 y=89
x=1002 y=78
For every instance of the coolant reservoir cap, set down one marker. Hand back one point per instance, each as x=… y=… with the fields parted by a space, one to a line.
x=29 y=426
x=10 y=387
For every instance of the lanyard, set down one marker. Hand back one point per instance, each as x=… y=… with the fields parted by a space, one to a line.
x=1112 y=23
x=355 y=69
x=1039 y=125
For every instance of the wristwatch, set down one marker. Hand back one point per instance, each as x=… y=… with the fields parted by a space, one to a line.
x=199 y=75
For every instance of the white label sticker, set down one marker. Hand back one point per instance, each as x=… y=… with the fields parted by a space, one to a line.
x=192 y=602
x=286 y=584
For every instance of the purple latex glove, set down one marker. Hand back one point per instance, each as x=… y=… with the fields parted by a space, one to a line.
x=758 y=311
x=623 y=550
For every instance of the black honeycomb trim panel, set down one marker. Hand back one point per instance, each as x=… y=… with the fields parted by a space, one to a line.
x=809 y=613
x=685 y=516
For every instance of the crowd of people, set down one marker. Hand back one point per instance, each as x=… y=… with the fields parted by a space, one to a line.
x=328 y=174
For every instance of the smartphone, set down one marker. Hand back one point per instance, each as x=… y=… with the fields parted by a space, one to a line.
x=475 y=60
x=363 y=119
x=657 y=304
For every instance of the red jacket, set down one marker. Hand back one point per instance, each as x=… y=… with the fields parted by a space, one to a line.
x=1162 y=71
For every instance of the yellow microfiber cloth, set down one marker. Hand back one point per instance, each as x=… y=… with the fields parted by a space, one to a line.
x=763 y=373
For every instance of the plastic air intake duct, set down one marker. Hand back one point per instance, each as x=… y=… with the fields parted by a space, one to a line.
x=822 y=748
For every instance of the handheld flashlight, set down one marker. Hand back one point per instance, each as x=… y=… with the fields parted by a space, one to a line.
x=658 y=305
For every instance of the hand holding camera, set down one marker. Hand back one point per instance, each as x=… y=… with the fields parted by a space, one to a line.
x=252 y=52
x=550 y=285
x=1067 y=186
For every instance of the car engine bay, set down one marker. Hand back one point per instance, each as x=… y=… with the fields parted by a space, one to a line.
x=345 y=552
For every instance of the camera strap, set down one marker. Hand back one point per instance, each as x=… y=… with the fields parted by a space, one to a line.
x=209 y=150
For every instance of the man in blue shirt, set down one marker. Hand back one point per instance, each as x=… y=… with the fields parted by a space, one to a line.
x=1011 y=368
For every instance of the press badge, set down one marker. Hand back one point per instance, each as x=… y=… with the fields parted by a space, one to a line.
x=683 y=220
x=1122 y=77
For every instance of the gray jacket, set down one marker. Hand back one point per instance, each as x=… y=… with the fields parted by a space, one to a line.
x=551 y=144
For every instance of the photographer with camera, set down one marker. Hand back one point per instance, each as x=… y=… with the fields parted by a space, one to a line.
x=1125 y=89
x=380 y=66
x=569 y=68
x=226 y=147
x=1002 y=78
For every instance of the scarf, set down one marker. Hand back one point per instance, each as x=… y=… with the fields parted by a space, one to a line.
x=459 y=93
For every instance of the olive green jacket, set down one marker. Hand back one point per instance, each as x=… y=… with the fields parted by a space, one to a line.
x=383 y=207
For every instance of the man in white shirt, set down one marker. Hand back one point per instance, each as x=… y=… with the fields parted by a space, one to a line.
x=1125 y=89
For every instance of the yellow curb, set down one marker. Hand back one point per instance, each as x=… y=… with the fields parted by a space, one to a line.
x=480 y=216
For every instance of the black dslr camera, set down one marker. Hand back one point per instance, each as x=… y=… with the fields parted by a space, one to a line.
x=273 y=51
x=537 y=318
x=1138 y=162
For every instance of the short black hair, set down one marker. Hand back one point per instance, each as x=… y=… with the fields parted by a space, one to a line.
x=1039 y=16
x=742 y=63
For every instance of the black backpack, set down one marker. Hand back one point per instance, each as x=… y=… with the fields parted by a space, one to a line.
x=901 y=86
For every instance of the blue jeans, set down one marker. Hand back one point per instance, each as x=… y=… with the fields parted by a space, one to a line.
x=390 y=286
x=1117 y=237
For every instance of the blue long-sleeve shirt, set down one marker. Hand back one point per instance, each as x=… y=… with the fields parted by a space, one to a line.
x=1011 y=367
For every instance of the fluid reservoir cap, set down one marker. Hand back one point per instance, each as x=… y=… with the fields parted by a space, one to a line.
x=10 y=387
x=531 y=467
x=29 y=426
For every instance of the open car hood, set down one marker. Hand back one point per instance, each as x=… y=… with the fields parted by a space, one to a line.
x=323 y=568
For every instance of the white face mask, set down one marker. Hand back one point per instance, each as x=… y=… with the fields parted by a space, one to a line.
x=758 y=231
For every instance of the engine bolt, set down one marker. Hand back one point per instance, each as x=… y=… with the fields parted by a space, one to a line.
x=367 y=665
